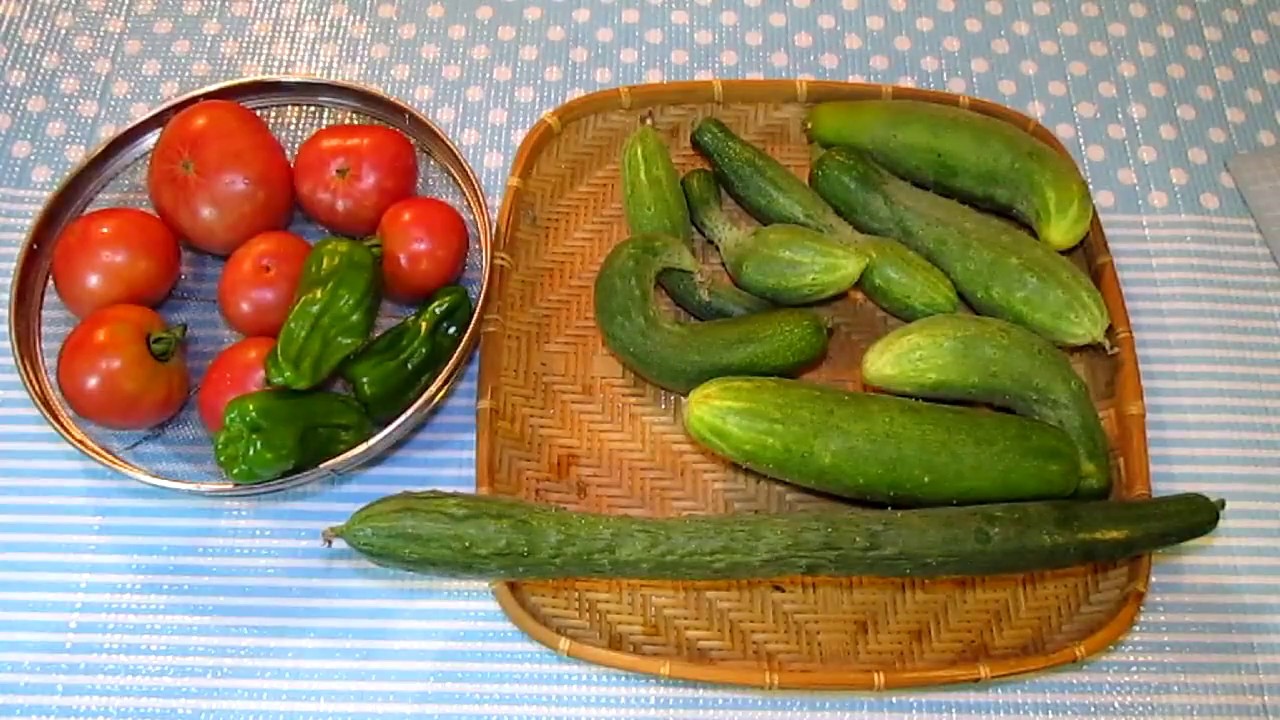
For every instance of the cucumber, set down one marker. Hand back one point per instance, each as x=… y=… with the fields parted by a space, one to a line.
x=999 y=269
x=966 y=155
x=785 y=264
x=880 y=448
x=677 y=355
x=653 y=202
x=461 y=535
x=897 y=279
x=969 y=358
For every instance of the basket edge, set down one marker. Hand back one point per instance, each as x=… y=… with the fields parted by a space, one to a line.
x=1132 y=413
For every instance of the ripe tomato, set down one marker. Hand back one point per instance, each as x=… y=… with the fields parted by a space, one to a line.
x=260 y=282
x=240 y=368
x=115 y=255
x=424 y=247
x=124 y=368
x=346 y=176
x=218 y=176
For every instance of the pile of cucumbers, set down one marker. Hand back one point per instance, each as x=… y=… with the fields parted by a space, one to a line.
x=980 y=450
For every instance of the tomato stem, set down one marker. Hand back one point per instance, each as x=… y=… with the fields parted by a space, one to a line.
x=164 y=344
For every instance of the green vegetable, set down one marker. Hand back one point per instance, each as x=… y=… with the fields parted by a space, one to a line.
x=987 y=360
x=654 y=203
x=999 y=269
x=503 y=538
x=880 y=448
x=334 y=313
x=786 y=264
x=270 y=433
x=393 y=370
x=898 y=280
x=678 y=355
x=966 y=155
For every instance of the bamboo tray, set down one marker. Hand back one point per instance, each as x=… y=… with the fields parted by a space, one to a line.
x=561 y=421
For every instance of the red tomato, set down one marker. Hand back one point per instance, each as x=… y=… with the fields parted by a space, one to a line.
x=346 y=176
x=218 y=176
x=239 y=369
x=260 y=281
x=115 y=255
x=424 y=247
x=124 y=368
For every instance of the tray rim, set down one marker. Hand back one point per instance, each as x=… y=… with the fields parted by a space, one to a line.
x=1134 y=471
x=75 y=192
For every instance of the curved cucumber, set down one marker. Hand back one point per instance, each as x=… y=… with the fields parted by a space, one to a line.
x=653 y=202
x=897 y=279
x=999 y=269
x=880 y=448
x=966 y=155
x=504 y=538
x=786 y=264
x=677 y=355
x=969 y=358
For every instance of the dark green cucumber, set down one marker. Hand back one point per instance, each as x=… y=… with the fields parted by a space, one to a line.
x=998 y=268
x=966 y=155
x=783 y=263
x=969 y=358
x=653 y=202
x=503 y=538
x=677 y=355
x=898 y=280
x=880 y=448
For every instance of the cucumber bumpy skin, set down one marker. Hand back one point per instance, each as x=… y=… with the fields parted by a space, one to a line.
x=880 y=448
x=502 y=538
x=897 y=279
x=677 y=355
x=785 y=264
x=653 y=202
x=966 y=155
x=969 y=358
x=998 y=268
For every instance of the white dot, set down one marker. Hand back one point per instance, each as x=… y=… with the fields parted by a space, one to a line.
x=1224 y=73
x=1147 y=154
x=555 y=33
x=1090 y=9
x=1231 y=16
x=1115 y=131
x=778 y=58
x=632 y=15
x=1158 y=198
x=1168 y=132
x=1035 y=108
x=1048 y=47
x=1127 y=69
x=1086 y=109
x=1217 y=134
x=1235 y=115
x=628 y=55
x=1179 y=176
x=1138 y=110
x=1107 y=88
x=498 y=116
x=493 y=159
x=1185 y=12
x=929 y=63
x=1098 y=48
x=1146 y=49
x=1226 y=179
x=1020 y=27
x=1253 y=95
x=1157 y=89
x=447 y=113
x=578 y=54
x=753 y=38
x=604 y=34
x=957 y=85
x=924 y=24
x=1271 y=75
x=529 y=52
x=994 y=7
x=1197 y=155
x=524 y=94
x=826 y=22
x=973 y=25
x=603 y=75
x=1137 y=9
x=1258 y=36
x=1028 y=67
x=802 y=39
x=1127 y=176
x=21 y=149
x=484 y=12
x=1000 y=46
x=41 y=173
x=1209 y=200
x=1057 y=88
x=828 y=61
x=852 y=41
x=530 y=13
x=480 y=52
x=1195 y=52
x=1186 y=112
x=951 y=43
x=451 y=72
x=1212 y=34
x=1241 y=55
x=1164 y=30
x=1106 y=198
x=1068 y=28
x=1065 y=131
x=1266 y=137
x=897 y=5
x=1007 y=87
x=1204 y=92
x=1075 y=67
x=1176 y=71
x=875 y=22
x=1116 y=29
x=729 y=57
x=1041 y=8
x=902 y=42
x=653 y=75
x=946 y=5
x=879 y=62
x=728 y=17
x=778 y=20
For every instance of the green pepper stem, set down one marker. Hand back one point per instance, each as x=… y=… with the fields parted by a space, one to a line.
x=164 y=344
x=374 y=243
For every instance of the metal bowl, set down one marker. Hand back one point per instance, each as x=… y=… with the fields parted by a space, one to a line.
x=179 y=454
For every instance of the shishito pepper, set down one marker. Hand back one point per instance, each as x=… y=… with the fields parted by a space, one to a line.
x=388 y=374
x=270 y=433
x=332 y=316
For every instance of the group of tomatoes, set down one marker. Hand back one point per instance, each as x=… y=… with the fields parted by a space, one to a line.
x=220 y=182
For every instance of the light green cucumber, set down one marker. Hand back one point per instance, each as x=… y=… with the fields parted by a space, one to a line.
x=677 y=355
x=880 y=448
x=966 y=155
x=783 y=263
x=897 y=279
x=999 y=269
x=969 y=358
x=653 y=202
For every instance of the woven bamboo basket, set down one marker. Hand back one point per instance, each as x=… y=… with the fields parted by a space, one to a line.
x=561 y=421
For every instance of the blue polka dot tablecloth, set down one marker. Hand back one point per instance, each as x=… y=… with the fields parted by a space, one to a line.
x=120 y=601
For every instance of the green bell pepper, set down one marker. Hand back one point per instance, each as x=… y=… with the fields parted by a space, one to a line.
x=389 y=374
x=335 y=310
x=270 y=433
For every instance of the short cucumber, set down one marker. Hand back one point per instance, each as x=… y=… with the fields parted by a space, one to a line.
x=653 y=202
x=969 y=358
x=897 y=279
x=880 y=448
x=999 y=269
x=966 y=155
x=783 y=263
x=496 y=538
x=679 y=355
